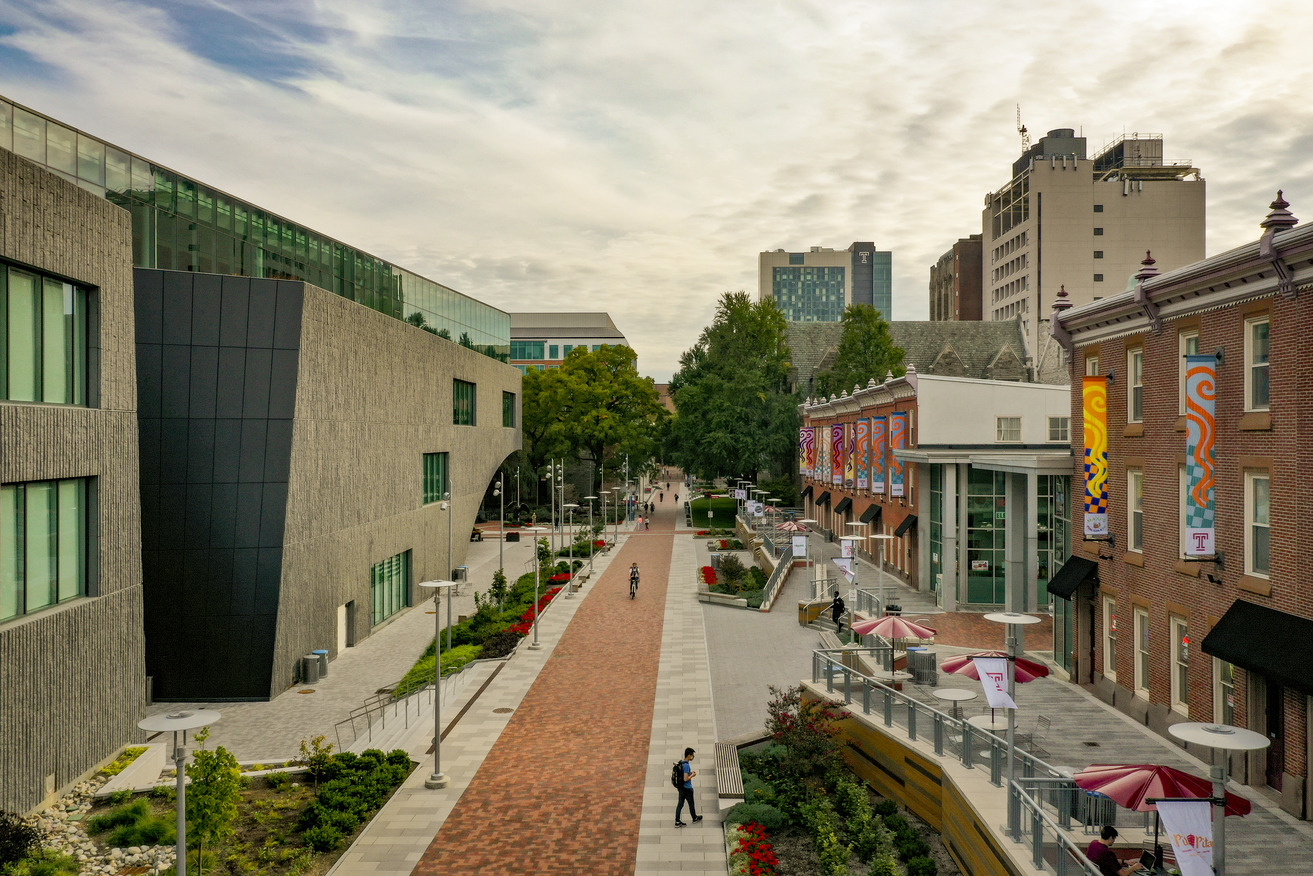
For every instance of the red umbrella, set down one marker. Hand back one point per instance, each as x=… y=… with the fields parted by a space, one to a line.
x=1027 y=670
x=790 y=526
x=892 y=627
x=1131 y=785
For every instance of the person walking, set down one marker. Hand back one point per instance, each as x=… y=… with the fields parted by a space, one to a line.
x=633 y=580
x=836 y=613
x=686 y=790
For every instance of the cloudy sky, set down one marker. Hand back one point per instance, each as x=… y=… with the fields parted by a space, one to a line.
x=636 y=157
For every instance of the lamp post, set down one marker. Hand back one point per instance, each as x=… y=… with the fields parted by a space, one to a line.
x=501 y=524
x=447 y=506
x=517 y=490
x=438 y=780
x=180 y=722
x=811 y=564
x=551 y=499
x=1013 y=620
x=533 y=531
x=1224 y=738
x=605 y=500
x=569 y=585
x=591 y=537
x=881 y=538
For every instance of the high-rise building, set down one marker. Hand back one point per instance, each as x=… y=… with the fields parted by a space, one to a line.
x=955 y=282
x=815 y=286
x=1085 y=223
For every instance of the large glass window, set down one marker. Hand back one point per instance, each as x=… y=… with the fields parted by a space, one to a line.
x=463 y=412
x=1258 y=529
x=508 y=409
x=389 y=586
x=43 y=339
x=986 y=536
x=435 y=477
x=936 y=527
x=527 y=349
x=1053 y=529
x=1256 y=364
x=44 y=544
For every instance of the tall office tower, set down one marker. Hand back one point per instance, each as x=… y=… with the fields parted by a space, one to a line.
x=1085 y=223
x=815 y=286
x=955 y=282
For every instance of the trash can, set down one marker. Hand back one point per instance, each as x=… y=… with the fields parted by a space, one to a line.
x=310 y=669
x=323 y=661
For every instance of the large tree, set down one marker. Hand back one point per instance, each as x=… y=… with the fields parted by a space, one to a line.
x=866 y=350
x=735 y=414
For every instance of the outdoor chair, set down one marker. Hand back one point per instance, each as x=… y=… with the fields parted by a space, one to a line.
x=1031 y=739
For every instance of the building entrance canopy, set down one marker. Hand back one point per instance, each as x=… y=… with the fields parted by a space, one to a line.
x=1272 y=643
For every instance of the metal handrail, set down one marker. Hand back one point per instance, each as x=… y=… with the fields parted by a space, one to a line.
x=376 y=708
x=955 y=737
x=782 y=567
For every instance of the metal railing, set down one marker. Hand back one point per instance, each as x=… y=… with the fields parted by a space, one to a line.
x=782 y=566
x=377 y=710
x=1043 y=801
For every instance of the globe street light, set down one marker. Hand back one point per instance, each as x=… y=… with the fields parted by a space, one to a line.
x=569 y=585
x=180 y=722
x=438 y=780
x=591 y=537
x=1013 y=620
x=501 y=524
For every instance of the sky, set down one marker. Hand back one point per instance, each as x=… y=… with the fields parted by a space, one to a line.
x=637 y=157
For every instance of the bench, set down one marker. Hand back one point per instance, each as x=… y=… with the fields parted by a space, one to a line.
x=729 y=779
x=476 y=535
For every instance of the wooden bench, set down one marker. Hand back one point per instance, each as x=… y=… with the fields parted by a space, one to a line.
x=729 y=779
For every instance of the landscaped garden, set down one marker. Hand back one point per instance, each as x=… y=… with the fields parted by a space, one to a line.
x=805 y=813
x=735 y=579
x=723 y=509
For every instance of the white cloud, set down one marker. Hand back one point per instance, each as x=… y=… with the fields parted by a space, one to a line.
x=636 y=157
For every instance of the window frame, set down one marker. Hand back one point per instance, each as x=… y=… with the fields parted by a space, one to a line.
x=1110 y=638
x=1135 y=385
x=999 y=437
x=81 y=515
x=1252 y=476
x=1251 y=366
x=507 y=409
x=1142 y=669
x=1134 y=509
x=1221 y=687
x=458 y=417
x=1183 y=339
x=1179 y=660
x=428 y=494
x=1064 y=430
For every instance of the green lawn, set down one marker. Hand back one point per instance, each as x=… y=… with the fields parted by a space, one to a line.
x=724 y=513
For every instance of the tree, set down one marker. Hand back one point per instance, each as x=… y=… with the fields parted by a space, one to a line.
x=865 y=351
x=216 y=784
x=735 y=414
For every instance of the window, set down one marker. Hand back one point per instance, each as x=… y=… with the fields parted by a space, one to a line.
x=1258 y=526
x=463 y=413
x=1134 y=509
x=1223 y=692
x=1098 y=253
x=45 y=542
x=389 y=586
x=1008 y=429
x=1110 y=639
x=795 y=258
x=1180 y=664
x=1142 y=651
x=1098 y=208
x=43 y=339
x=1187 y=344
x=568 y=348
x=1256 y=352
x=1135 y=385
x=1098 y=232
x=1060 y=429
x=1092 y=366
x=596 y=347
x=1098 y=278
x=435 y=477
x=555 y=351
x=508 y=409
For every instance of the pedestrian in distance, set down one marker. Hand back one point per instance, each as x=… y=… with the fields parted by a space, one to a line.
x=647 y=522
x=836 y=612
x=686 y=790
x=633 y=580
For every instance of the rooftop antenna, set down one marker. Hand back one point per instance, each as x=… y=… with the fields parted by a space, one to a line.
x=1021 y=129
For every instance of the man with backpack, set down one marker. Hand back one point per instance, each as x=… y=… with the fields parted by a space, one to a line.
x=681 y=776
x=836 y=612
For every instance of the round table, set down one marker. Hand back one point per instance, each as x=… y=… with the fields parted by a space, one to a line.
x=957 y=696
x=988 y=722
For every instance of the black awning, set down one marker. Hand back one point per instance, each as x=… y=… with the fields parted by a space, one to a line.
x=844 y=504
x=806 y=491
x=823 y=498
x=908 y=522
x=1072 y=574
x=1272 y=643
x=872 y=514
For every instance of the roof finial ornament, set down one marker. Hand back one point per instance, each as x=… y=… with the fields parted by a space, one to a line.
x=1063 y=302
x=1280 y=218
x=1147 y=268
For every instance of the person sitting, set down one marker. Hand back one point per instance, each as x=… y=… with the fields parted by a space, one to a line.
x=1101 y=854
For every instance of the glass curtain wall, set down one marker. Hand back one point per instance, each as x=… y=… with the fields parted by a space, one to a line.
x=936 y=528
x=43 y=339
x=179 y=224
x=986 y=537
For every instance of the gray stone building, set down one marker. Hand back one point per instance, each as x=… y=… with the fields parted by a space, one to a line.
x=72 y=679
x=296 y=447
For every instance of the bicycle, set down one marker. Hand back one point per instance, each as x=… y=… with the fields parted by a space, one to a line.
x=633 y=587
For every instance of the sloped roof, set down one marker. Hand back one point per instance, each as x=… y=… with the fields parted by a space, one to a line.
x=978 y=345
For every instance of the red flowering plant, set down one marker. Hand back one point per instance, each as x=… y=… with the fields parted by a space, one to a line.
x=703 y=532
x=526 y=620
x=708 y=575
x=751 y=853
x=599 y=543
x=560 y=576
x=807 y=730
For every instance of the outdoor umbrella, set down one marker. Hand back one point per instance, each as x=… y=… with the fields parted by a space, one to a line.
x=790 y=526
x=892 y=627
x=1133 y=785
x=1026 y=670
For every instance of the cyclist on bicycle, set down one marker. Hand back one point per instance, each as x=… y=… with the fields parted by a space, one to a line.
x=633 y=580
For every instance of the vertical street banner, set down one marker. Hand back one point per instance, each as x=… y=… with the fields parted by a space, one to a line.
x=1189 y=826
x=850 y=460
x=1094 y=393
x=863 y=454
x=799 y=547
x=993 y=672
x=805 y=449
x=836 y=453
x=1200 y=394
x=897 y=441
x=879 y=441
x=823 y=455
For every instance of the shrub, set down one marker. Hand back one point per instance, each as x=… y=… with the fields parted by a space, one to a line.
x=166 y=793
x=806 y=729
x=123 y=815
x=17 y=837
x=753 y=598
x=884 y=865
x=121 y=762
x=323 y=838
x=150 y=831
x=122 y=795
x=732 y=571
x=45 y=862
x=758 y=577
x=755 y=790
x=897 y=823
x=885 y=808
x=216 y=786
x=820 y=817
x=922 y=866
x=278 y=781
x=316 y=755
x=762 y=813
x=500 y=644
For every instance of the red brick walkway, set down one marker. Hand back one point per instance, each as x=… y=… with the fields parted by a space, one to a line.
x=562 y=789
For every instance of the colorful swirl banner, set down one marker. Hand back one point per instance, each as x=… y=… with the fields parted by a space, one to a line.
x=850 y=460
x=897 y=441
x=804 y=449
x=1201 y=427
x=836 y=453
x=863 y=453
x=879 y=442
x=1094 y=394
